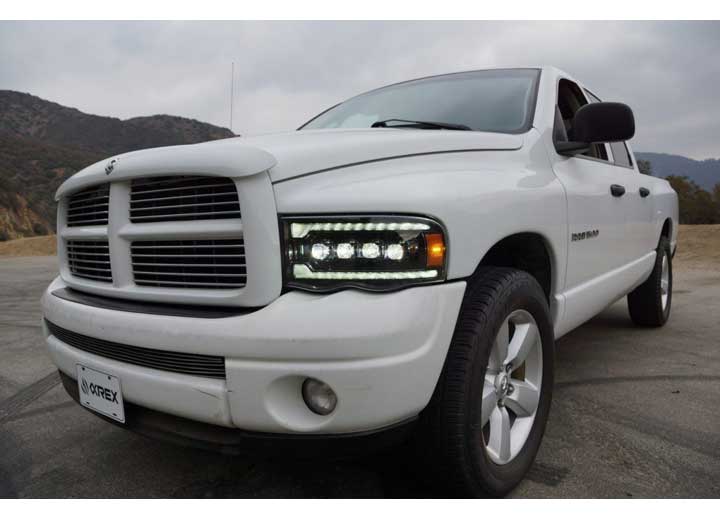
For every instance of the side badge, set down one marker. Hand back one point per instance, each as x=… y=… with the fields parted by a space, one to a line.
x=584 y=235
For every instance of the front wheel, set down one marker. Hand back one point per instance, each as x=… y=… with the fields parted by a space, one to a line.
x=649 y=304
x=488 y=414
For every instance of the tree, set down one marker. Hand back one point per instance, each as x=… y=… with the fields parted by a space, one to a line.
x=697 y=206
x=645 y=167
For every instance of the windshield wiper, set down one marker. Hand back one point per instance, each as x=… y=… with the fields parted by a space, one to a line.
x=431 y=125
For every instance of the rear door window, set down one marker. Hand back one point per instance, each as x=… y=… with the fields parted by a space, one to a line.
x=621 y=154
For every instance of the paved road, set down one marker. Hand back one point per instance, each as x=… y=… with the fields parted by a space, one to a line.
x=635 y=413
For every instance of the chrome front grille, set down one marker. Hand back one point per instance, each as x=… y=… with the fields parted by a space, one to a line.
x=173 y=198
x=191 y=264
x=89 y=259
x=89 y=207
x=180 y=362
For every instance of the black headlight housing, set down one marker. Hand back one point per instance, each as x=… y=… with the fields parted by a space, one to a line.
x=372 y=252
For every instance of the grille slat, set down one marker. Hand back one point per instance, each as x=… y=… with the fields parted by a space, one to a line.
x=95 y=269
x=141 y=191
x=179 y=362
x=84 y=208
x=89 y=222
x=196 y=246
x=194 y=256
x=96 y=214
x=84 y=201
x=175 y=274
x=179 y=264
x=94 y=277
x=189 y=285
x=89 y=259
x=151 y=200
x=78 y=261
x=231 y=193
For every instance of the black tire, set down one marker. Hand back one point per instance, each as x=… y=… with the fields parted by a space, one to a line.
x=457 y=450
x=645 y=302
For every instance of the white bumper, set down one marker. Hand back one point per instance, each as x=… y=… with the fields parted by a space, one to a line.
x=381 y=353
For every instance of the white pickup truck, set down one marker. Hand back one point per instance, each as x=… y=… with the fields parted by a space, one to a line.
x=398 y=268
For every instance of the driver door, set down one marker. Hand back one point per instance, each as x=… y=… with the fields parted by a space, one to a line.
x=596 y=235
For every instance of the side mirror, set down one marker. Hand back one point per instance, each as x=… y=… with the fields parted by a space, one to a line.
x=599 y=123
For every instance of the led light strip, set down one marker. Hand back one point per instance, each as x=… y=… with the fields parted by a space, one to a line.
x=301 y=229
x=303 y=272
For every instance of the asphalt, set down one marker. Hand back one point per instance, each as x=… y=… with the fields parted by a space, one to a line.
x=636 y=413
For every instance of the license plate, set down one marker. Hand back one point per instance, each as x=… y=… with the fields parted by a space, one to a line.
x=100 y=392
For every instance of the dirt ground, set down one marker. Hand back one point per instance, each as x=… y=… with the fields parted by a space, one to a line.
x=33 y=246
x=698 y=247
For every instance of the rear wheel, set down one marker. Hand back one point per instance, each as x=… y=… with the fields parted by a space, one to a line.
x=489 y=410
x=649 y=304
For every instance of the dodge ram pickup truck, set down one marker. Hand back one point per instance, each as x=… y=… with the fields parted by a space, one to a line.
x=396 y=270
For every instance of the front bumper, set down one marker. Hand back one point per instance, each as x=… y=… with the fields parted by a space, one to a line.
x=233 y=441
x=381 y=353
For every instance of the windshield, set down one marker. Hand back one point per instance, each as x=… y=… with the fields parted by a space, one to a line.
x=488 y=100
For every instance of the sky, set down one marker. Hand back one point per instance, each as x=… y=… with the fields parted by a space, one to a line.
x=286 y=72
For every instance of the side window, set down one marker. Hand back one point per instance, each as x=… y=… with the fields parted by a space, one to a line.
x=621 y=154
x=570 y=99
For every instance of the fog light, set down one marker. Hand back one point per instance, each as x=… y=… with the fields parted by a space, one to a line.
x=318 y=396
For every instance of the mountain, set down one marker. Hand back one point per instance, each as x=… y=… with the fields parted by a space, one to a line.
x=704 y=173
x=43 y=143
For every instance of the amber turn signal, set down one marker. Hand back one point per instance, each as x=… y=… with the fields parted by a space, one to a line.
x=435 y=250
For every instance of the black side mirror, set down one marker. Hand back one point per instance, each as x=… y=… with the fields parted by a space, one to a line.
x=599 y=123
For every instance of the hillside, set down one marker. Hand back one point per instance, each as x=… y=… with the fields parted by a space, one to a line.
x=704 y=173
x=42 y=143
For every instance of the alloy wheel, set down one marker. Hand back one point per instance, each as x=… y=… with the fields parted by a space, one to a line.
x=511 y=390
x=665 y=281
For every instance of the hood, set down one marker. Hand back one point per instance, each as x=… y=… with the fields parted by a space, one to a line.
x=287 y=155
x=312 y=151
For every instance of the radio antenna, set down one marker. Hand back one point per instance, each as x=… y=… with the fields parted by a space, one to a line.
x=232 y=92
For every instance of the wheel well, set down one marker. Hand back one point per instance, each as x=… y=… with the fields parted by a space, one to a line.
x=527 y=252
x=667 y=229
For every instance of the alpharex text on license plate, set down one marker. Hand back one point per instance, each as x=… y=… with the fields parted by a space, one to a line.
x=100 y=392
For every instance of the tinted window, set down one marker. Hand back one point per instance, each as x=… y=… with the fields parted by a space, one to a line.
x=621 y=154
x=489 y=101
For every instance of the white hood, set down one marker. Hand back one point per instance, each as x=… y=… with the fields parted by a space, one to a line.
x=311 y=151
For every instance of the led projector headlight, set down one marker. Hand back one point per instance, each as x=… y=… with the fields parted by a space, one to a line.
x=370 y=252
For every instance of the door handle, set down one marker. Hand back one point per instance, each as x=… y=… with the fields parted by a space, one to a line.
x=617 y=190
x=644 y=192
